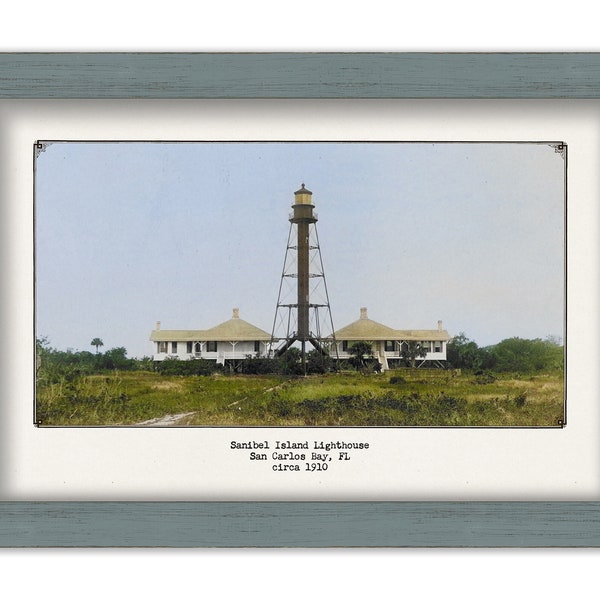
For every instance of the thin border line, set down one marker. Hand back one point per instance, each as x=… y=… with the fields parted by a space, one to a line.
x=561 y=423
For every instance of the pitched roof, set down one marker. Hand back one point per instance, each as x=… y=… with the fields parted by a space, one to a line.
x=233 y=330
x=365 y=329
x=421 y=334
x=178 y=335
x=236 y=329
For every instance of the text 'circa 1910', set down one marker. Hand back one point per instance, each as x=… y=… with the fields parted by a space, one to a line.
x=287 y=456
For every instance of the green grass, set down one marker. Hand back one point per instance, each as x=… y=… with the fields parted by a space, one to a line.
x=399 y=398
x=127 y=398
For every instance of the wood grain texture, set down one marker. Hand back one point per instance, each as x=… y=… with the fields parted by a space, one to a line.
x=299 y=75
x=299 y=524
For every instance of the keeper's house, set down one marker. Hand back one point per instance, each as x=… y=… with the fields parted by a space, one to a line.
x=232 y=340
x=388 y=344
x=237 y=339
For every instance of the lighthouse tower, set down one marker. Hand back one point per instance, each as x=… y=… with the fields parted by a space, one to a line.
x=303 y=312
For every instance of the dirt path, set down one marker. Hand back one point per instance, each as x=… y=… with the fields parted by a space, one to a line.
x=166 y=421
x=179 y=419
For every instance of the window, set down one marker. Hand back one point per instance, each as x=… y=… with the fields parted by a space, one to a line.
x=345 y=345
x=437 y=347
x=162 y=347
x=256 y=346
x=426 y=346
x=211 y=346
x=197 y=347
x=173 y=347
x=389 y=346
x=189 y=348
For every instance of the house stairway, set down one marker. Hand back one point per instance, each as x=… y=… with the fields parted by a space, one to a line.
x=382 y=358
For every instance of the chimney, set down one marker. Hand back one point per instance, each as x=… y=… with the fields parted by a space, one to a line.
x=440 y=326
x=363 y=313
x=157 y=325
x=236 y=313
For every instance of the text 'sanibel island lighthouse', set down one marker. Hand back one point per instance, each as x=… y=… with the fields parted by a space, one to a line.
x=303 y=312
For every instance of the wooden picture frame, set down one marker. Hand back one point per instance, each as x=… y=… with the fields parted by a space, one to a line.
x=294 y=76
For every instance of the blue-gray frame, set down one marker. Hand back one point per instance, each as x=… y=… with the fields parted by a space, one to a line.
x=300 y=75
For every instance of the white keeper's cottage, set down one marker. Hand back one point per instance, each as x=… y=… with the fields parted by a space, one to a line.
x=234 y=339
x=388 y=343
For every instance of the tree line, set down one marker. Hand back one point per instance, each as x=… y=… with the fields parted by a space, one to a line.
x=54 y=365
x=510 y=355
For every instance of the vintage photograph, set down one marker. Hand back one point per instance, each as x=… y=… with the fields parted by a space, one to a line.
x=300 y=284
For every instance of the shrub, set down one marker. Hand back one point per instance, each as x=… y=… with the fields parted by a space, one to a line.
x=195 y=366
x=527 y=356
x=316 y=362
x=309 y=405
x=465 y=353
x=520 y=399
x=409 y=404
x=355 y=402
x=484 y=378
x=283 y=407
x=393 y=403
x=450 y=403
x=256 y=365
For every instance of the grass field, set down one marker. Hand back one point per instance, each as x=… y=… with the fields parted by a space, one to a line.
x=396 y=398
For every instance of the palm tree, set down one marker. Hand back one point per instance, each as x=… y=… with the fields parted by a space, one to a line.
x=358 y=351
x=97 y=342
x=412 y=350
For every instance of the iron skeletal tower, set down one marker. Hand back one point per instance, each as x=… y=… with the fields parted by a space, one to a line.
x=303 y=313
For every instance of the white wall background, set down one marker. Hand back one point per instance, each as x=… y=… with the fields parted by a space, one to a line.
x=462 y=25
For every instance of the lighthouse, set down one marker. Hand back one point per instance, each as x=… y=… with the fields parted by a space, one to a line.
x=303 y=314
x=303 y=216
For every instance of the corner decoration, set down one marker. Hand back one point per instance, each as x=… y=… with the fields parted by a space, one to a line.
x=560 y=148
x=40 y=147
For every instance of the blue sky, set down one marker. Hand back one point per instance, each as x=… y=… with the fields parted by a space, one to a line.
x=128 y=234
